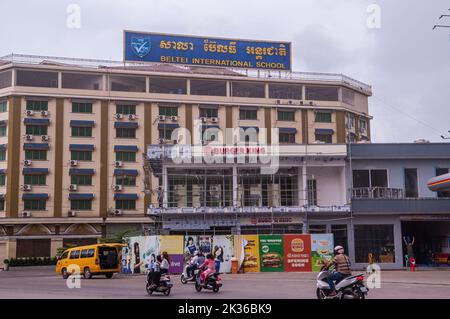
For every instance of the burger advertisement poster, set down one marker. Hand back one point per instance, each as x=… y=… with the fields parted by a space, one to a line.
x=271 y=253
x=251 y=251
x=322 y=246
x=297 y=253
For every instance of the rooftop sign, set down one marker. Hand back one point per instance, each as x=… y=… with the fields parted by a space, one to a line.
x=205 y=51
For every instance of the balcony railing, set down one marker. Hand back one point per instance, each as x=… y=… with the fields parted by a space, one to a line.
x=377 y=192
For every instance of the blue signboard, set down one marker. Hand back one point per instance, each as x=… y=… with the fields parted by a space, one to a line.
x=203 y=51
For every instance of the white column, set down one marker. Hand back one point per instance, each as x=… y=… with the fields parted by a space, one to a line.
x=235 y=186
x=165 y=187
x=304 y=185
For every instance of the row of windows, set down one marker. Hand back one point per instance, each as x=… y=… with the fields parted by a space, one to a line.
x=81 y=180
x=168 y=85
x=77 y=204
x=41 y=155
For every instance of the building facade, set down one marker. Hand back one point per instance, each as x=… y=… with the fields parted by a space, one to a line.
x=73 y=133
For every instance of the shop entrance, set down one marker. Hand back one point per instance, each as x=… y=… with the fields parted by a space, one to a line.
x=431 y=239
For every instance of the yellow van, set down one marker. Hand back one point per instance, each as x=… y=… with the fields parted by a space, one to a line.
x=99 y=259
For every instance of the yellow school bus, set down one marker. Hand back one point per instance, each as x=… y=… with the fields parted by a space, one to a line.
x=98 y=259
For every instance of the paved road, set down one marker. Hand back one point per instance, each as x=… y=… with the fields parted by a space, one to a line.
x=42 y=283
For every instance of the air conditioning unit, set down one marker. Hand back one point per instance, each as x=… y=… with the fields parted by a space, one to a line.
x=301 y=102
x=71 y=213
x=174 y=118
x=174 y=142
x=118 y=116
x=45 y=138
x=73 y=163
x=29 y=137
x=118 y=163
x=290 y=102
x=26 y=187
x=132 y=117
x=311 y=103
x=29 y=113
x=161 y=141
x=214 y=120
x=203 y=119
x=118 y=188
x=278 y=101
x=26 y=214
x=73 y=187
x=27 y=162
x=162 y=118
x=44 y=113
x=118 y=212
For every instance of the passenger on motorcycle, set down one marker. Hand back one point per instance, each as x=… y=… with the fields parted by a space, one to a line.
x=209 y=265
x=193 y=263
x=342 y=268
x=156 y=274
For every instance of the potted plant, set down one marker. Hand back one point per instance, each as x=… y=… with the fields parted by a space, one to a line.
x=6 y=266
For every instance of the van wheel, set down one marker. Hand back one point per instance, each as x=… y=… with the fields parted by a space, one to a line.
x=87 y=273
x=64 y=273
x=109 y=276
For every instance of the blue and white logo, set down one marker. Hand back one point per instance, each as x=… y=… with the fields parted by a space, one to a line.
x=141 y=46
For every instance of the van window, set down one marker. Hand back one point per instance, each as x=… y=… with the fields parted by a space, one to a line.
x=87 y=253
x=64 y=255
x=74 y=254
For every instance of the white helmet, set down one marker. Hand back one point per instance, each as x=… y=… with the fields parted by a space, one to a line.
x=337 y=248
x=195 y=252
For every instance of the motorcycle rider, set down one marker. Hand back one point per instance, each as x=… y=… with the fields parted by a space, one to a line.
x=193 y=263
x=342 y=268
x=156 y=274
x=210 y=267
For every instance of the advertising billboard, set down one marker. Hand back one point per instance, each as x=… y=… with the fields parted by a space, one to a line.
x=271 y=253
x=206 y=51
x=322 y=246
x=297 y=252
x=251 y=253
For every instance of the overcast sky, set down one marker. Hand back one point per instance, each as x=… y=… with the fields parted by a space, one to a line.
x=405 y=61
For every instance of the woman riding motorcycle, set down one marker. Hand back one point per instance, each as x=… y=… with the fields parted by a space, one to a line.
x=209 y=265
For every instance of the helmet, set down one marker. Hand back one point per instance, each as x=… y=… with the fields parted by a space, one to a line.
x=337 y=248
x=196 y=252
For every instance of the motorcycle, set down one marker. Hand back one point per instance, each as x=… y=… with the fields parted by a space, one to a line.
x=351 y=287
x=165 y=285
x=212 y=281
x=185 y=278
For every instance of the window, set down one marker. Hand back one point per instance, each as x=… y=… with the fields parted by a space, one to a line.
x=370 y=178
x=126 y=180
x=2 y=179
x=81 y=180
x=362 y=125
x=167 y=85
x=285 y=91
x=350 y=120
x=312 y=192
x=39 y=155
x=122 y=132
x=168 y=111
x=361 y=178
x=82 y=81
x=74 y=254
x=166 y=133
x=248 y=89
x=35 y=179
x=3 y=130
x=286 y=137
x=126 y=204
x=247 y=114
x=322 y=93
x=340 y=235
x=442 y=171
x=81 y=131
x=127 y=83
x=209 y=112
x=126 y=156
x=210 y=134
x=5 y=79
x=377 y=240
x=36 y=129
x=323 y=117
x=37 y=105
x=3 y=106
x=326 y=138
x=125 y=109
x=37 y=78
x=208 y=87
x=78 y=107
x=317 y=229
x=2 y=155
x=411 y=186
x=286 y=116
x=348 y=96
x=34 y=204
x=81 y=204
x=81 y=155
x=87 y=253
x=2 y=204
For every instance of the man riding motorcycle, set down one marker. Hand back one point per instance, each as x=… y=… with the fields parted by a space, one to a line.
x=193 y=264
x=342 y=268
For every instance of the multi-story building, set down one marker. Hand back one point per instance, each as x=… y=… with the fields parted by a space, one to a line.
x=73 y=132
